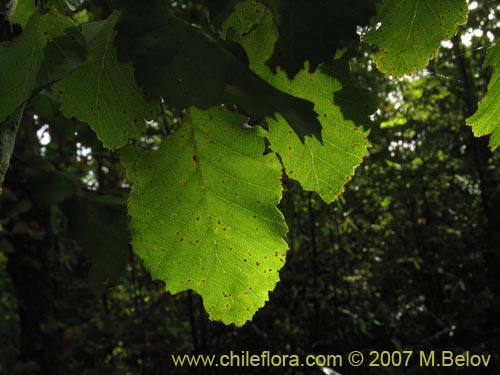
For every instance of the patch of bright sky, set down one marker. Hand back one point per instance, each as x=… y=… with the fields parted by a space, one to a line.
x=473 y=5
x=43 y=135
x=82 y=151
x=467 y=36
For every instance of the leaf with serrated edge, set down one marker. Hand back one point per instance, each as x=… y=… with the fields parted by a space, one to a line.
x=486 y=120
x=411 y=31
x=323 y=168
x=204 y=217
x=103 y=91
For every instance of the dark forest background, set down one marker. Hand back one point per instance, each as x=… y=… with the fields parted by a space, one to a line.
x=407 y=258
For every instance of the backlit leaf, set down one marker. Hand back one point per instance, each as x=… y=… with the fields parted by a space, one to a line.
x=343 y=111
x=486 y=120
x=411 y=31
x=323 y=168
x=204 y=217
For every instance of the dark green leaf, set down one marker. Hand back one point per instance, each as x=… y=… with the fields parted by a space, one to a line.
x=99 y=225
x=49 y=48
x=184 y=65
x=243 y=18
x=50 y=186
x=103 y=91
x=314 y=30
x=219 y=9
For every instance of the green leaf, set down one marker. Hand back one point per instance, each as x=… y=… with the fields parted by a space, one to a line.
x=186 y=66
x=8 y=132
x=322 y=167
x=103 y=91
x=99 y=225
x=486 y=120
x=411 y=31
x=49 y=48
x=259 y=43
x=204 y=217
